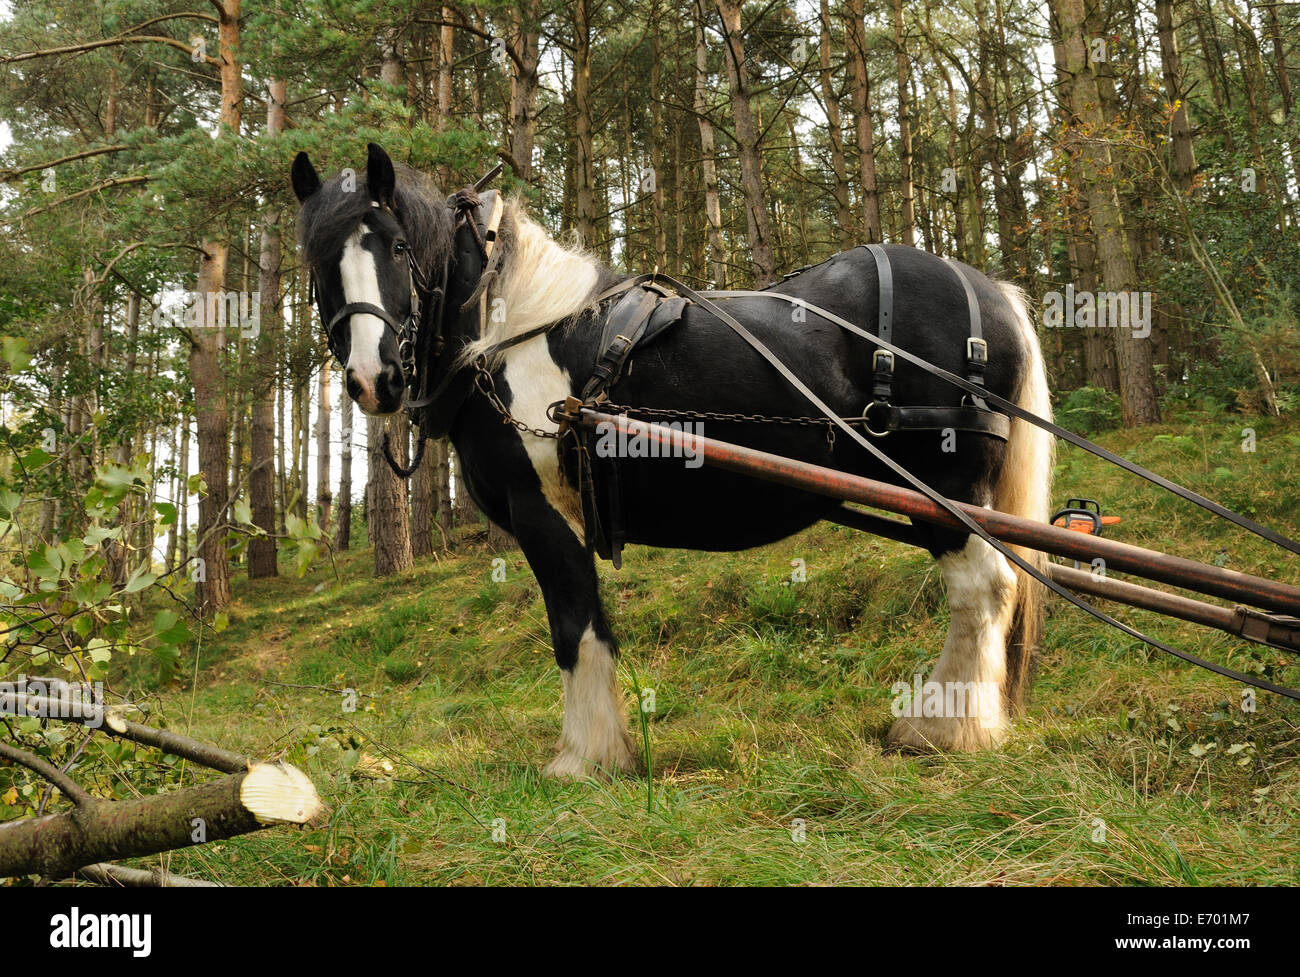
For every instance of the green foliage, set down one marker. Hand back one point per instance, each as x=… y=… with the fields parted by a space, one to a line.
x=1089 y=410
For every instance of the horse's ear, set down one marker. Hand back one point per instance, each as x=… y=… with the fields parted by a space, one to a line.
x=380 y=177
x=305 y=180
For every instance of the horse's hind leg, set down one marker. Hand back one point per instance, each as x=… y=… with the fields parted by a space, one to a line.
x=962 y=706
x=594 y=737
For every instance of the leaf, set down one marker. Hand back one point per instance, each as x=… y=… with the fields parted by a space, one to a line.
x=169 y=629
x=99 y=650
x=97 y=534
x=306 y=554
x=139 y=580
x=167 y=513
x=9 y=502
x=9 y=797
x=14 y=351
x=37 y=457
x=115 y=481
x=243 y=514
x=220 y=622
x=45 y=562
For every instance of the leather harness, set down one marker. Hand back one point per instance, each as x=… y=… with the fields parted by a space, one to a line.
x=651 y=303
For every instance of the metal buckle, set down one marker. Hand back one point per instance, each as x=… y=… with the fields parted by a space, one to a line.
x=973 y=344
x=882 y=354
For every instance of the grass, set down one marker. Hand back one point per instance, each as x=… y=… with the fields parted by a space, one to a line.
x=771 y=703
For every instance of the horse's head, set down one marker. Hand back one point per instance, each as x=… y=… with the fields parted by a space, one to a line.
x=369 y=241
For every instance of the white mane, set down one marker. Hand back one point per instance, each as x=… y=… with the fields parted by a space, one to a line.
x=541 y=282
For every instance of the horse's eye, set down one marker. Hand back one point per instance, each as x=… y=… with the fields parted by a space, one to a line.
x=399 y=247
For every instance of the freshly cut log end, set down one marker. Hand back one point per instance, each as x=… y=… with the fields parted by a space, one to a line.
x=277 y=793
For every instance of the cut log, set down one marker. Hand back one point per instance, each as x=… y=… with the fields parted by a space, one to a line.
x=58 y=844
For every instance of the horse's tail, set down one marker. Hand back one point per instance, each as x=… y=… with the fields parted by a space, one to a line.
x=1024 y=489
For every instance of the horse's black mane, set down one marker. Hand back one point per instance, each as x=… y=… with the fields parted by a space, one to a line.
x=331 y=214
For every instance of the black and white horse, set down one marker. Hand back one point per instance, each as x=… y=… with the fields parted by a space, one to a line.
x=366 y=245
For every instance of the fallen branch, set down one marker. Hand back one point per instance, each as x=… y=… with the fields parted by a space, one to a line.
x=111 y=721
x=47 y=770
x=106 y=873
x=57 y=845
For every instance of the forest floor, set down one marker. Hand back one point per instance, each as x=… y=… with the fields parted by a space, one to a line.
x=772 y=700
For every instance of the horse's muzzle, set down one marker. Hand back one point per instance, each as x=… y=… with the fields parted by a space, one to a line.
x=379 y=395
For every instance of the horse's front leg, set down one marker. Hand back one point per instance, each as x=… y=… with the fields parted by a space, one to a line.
x=594 y=739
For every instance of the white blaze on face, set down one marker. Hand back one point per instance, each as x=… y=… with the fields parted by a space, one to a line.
x=361 y=284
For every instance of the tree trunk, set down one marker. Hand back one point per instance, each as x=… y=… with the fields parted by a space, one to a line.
x=441 y=465
x=747 y=139
x=855 y=44
x=1180 y=128
x=422 y=501
x=584 y=168
x=388 y=511
x=324 y=500
x=212 y=575
x=1282 y=72
x=657 y=156
x=343 y=535
x=907 y=232
x=835 y=132
x=97 y=830
x=712 y=206
x=446 y=40
x=261 y=477
x=183 y=496
x=523 y=86
x=1118 y=272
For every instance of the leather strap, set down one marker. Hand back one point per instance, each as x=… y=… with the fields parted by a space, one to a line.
x=624 y=326
x=364 y=308
x=977 y=350
x=882 y=361
x=881 y=419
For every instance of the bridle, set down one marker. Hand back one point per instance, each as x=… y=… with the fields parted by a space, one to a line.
x=420 y=339
x=406 y=331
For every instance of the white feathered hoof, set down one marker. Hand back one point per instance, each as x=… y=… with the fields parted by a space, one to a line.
x=944 y=735
x=619 y=756
x=594 y=741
